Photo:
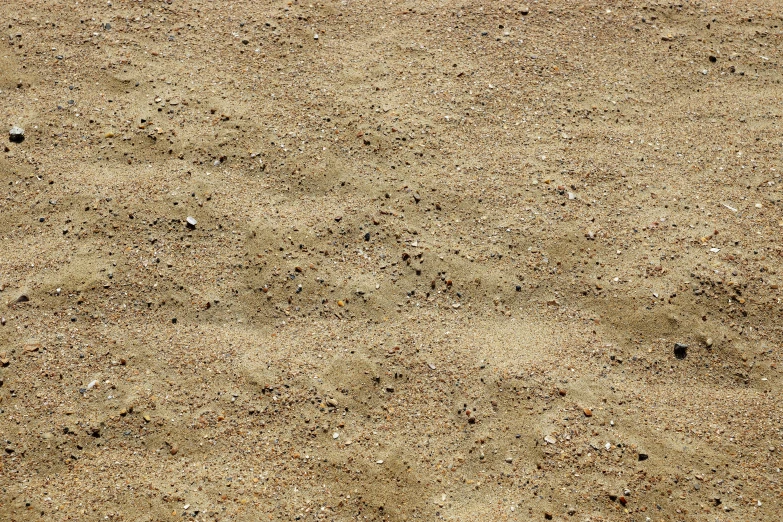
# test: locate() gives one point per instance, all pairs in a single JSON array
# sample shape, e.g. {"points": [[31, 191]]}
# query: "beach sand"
{"points": [[446, 260]]}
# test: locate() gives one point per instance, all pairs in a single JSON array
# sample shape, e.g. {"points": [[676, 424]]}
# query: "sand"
{"points": [[444, 261]]}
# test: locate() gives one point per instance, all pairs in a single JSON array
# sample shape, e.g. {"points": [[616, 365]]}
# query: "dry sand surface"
{"points": [[443, 261]]}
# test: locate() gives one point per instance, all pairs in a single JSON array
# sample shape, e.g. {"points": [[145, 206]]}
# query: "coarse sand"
{"points": [[404, 260]]}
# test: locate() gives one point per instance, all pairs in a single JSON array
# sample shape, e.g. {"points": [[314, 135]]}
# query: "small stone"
{"points": [[147, 418], [22, 299], [588, 412], [331, 403], [643, 456], [174, 450], [524, 10], [548, 515], [509, 459], [550, 439], [680, 350], [709, 342], [16, 134], [340, 303], [31, 347], [315, 37], [191, 222], [562, 392]]}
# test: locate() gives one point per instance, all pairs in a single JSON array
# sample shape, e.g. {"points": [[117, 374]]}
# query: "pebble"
{"points": [[16, 134], [709, 342], [680, 350], [588, 412], [550, 439], [174, 450], [191, 222]]}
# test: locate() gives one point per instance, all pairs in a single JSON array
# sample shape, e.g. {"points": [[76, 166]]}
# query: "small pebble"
{"points": [[16, 134], [191, 222], [680, 350]]}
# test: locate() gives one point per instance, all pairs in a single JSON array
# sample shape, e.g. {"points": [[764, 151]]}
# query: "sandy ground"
{"points": [[441, 257]]}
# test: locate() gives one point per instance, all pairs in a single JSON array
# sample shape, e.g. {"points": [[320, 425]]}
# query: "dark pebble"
{"points": [[680, 350]]}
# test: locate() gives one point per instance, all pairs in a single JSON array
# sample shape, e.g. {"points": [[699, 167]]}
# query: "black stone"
{"points": [[680, 350]]}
